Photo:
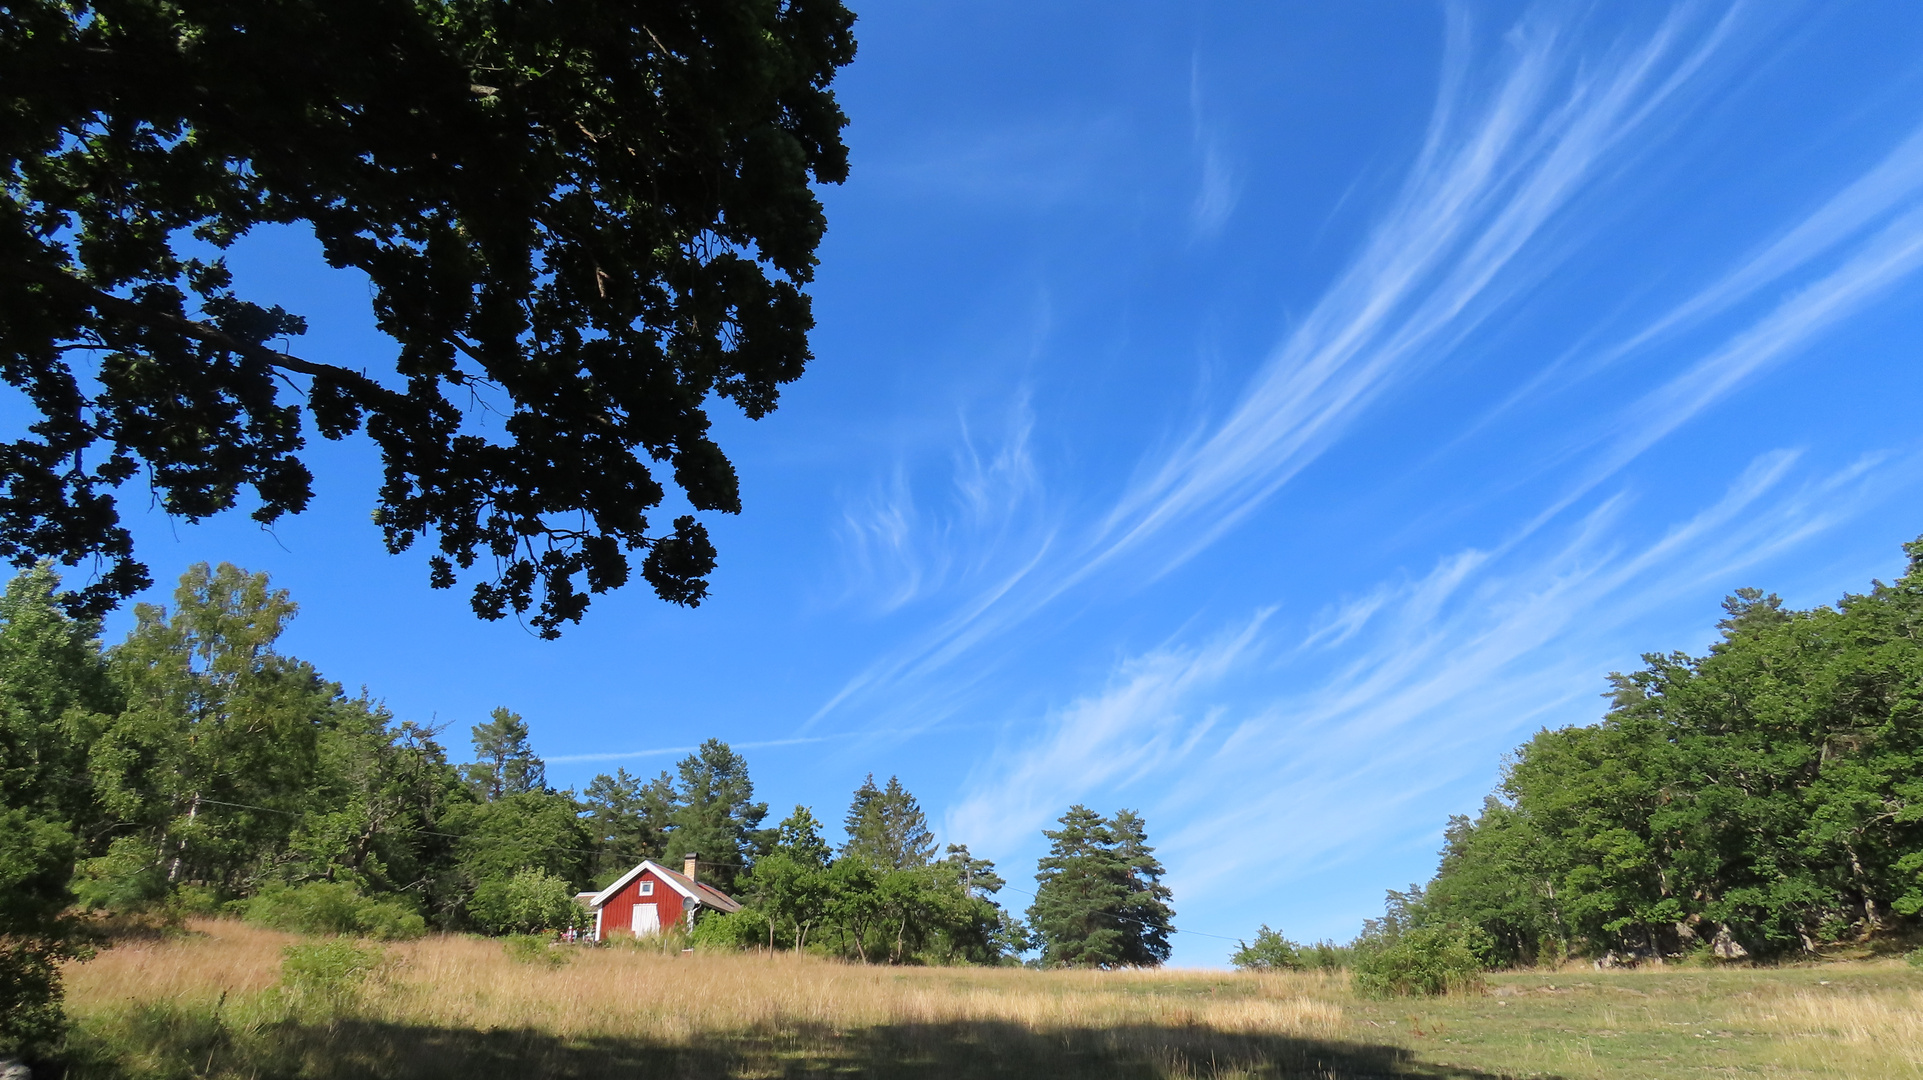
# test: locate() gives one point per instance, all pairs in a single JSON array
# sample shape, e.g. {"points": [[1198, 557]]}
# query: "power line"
{"points": [[472, 836], [1171, 929]]}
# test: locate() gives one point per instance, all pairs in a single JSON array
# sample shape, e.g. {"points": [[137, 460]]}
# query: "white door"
{"points": [[647, 920]]}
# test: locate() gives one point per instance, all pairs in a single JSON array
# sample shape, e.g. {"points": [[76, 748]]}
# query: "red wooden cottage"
{"points": [[651, 898]]}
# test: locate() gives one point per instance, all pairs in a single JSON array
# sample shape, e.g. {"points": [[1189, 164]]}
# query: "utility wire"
{"points": [[471, 836], [1139, 922]]}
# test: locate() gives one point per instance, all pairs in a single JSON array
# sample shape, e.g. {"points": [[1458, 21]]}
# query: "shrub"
{"points": [[126, 878], [389, 920], [1270, 952], [532, 901], [729, 930], [329, 975], [536, 949], [1914, 957], [324, 907], [1421, 960], [1327, 956]]}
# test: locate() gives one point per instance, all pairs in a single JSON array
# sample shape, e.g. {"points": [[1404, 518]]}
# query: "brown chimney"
{"points": [[687, 866]]}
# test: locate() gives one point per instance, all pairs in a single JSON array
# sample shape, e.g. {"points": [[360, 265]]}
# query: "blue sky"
{"points": [[1263, 416]]}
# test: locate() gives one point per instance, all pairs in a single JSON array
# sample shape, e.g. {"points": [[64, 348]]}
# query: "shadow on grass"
{"points": [[164, 1044]]}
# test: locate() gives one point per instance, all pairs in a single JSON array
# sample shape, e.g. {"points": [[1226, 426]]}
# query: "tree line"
{"points": [[194, 768], [1762, 800]]}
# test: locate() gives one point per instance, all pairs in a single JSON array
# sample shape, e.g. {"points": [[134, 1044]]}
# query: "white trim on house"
{"points": [[621, 882]]}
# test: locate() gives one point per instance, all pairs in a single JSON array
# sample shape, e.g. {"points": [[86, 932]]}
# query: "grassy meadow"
{"points": [[210, 1004]]}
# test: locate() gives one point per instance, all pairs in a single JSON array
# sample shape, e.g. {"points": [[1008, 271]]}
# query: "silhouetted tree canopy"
{"points": [[579, 221]]}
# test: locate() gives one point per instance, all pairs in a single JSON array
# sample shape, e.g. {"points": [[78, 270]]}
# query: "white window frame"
{"points": [[647, 888]]}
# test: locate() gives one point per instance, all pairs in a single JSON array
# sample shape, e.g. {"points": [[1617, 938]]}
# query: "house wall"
{"points": [[617, 915]]}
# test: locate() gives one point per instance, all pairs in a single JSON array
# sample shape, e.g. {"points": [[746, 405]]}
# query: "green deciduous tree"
{"points": [[586, 219], [53, 692], [788, 888], [1763, 798], [1270, 951], [531, 831], [532, 901], [218, 746]]}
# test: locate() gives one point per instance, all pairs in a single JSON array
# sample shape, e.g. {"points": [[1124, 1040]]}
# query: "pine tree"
{"points": [[1080, 887], [629, 818], [714, 816], [978, 876], [887, 827], [1146, 914], [799, 837], [1099, 901], [506, 764]]}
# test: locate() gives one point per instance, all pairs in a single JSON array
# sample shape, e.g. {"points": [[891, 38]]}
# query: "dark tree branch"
{"points": [[66, 286]]}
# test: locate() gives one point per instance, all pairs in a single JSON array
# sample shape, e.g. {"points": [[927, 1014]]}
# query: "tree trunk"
{"points": [[1870, 914], [193, 809]]}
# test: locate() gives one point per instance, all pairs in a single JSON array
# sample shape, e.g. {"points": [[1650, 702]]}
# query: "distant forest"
{"points": [[194, 769], [1763, 800]]}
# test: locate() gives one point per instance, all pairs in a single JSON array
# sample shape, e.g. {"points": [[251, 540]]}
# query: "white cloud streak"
{"points": [[1491, 175], [664, 751], [1499, 160], [1465, 658]]}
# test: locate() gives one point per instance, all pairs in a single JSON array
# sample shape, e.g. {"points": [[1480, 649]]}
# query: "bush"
{"points": [[531, 902], [717, 930], [1422, 960], [1327, 956], [536, 949], [126, 878], [328, 976], [1270, 952], [324, 907], [1914, 957]]}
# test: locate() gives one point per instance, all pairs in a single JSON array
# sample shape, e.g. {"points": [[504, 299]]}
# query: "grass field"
{"points": [[207, 1005]]}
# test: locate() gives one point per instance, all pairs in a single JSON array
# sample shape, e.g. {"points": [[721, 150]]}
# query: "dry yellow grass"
{"points": [[204, 1005], [456, 982]]}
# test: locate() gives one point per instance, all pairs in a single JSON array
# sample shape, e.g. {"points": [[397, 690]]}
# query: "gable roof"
{"points": [[697, 891]]}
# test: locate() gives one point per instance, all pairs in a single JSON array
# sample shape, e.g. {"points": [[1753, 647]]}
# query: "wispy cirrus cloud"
{"points": [[902, 544], [1469, 656], [1503, 154], [1496, 166], [1143, 722]]}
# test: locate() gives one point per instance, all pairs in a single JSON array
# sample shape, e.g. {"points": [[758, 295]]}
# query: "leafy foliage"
{"points": [[326, 907], [328, 976], [1766, 796], [52, 685], [800, 896], [581, 222], [1270, 951], [1421, 960], [531, 901]]}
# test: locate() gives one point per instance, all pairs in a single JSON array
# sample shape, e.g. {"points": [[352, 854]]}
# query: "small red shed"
{"points": [[651, 898]]}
